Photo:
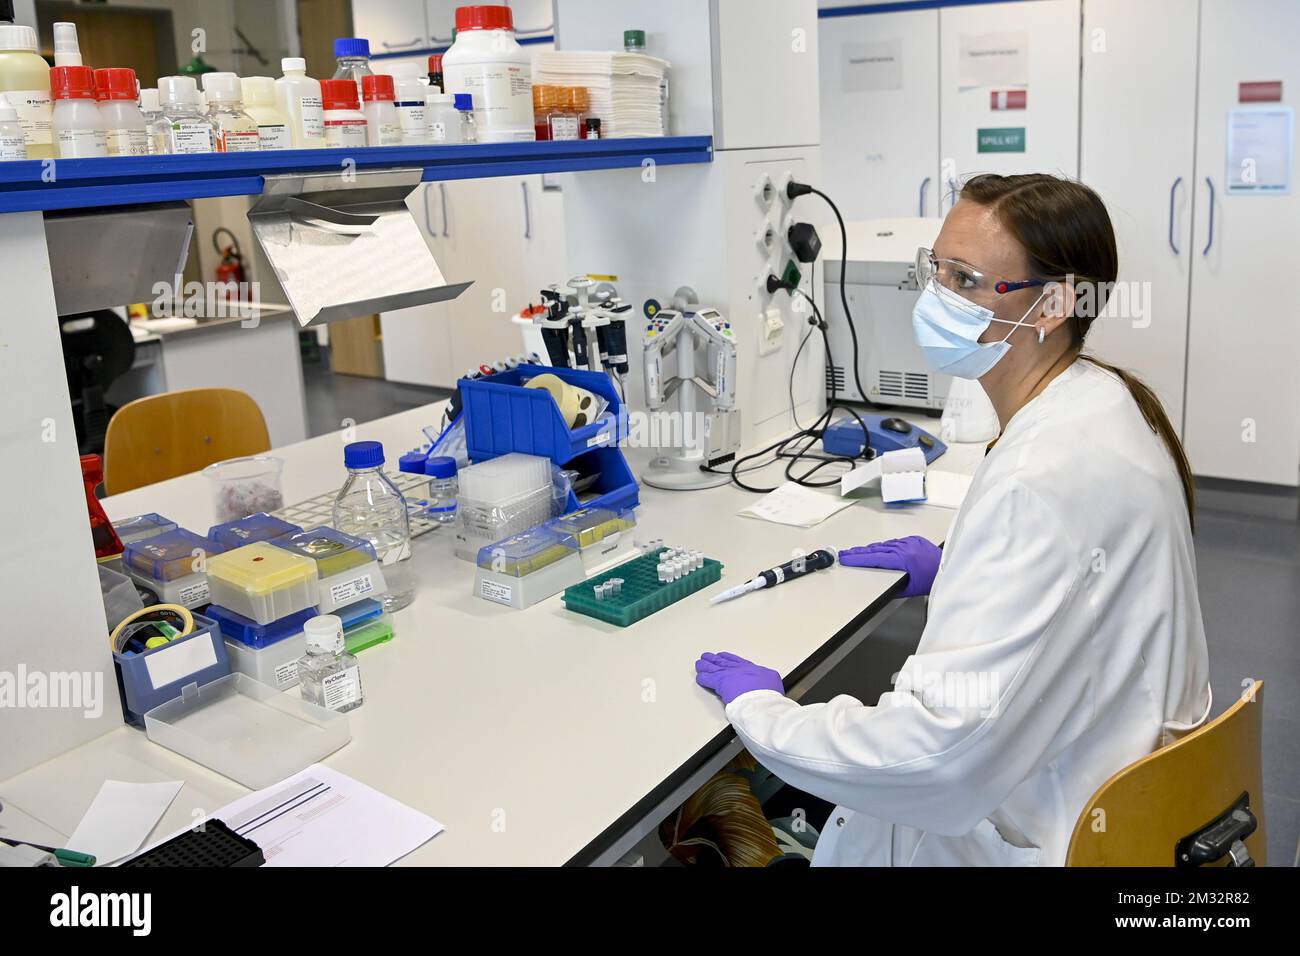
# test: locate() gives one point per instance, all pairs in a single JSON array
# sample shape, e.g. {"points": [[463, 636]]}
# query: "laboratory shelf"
{"points": [[42, 184]]}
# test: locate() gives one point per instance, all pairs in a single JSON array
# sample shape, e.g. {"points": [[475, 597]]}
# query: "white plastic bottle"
{"points": [[236, 130], [486, 62], [444, 118], [125, 130], [410, 96], [25, 82], [155, 124], [259, 103], [383, 128], [299, 98], [345, 124], [13, 144], [328, 676], [369, 506], [78, 125], [188, 130], [67, 51]]}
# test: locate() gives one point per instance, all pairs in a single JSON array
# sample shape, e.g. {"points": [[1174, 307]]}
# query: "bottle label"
{"points": [[412, 117], [564, 127], [348, 591], [438, 132], [190, 136], [274, 136], [127, 142], [348, 133], [390, 134], [13, 147], [313, 117], [343, 688], [193, 595], [237, 141], [286, 674], [81, 143], [35, 111], [503, 95]]}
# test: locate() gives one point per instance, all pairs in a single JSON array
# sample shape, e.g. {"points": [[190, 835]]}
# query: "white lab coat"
{"points": [[1067, 596]]}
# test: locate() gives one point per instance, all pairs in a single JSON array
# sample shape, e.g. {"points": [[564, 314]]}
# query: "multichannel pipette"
{"points": [[794, 568]]}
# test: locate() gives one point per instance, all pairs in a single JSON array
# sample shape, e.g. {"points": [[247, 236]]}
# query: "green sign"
{"points": [[1008, 139]]}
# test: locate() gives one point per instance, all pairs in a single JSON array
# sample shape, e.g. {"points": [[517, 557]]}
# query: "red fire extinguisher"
{"points": [[230, 271]]}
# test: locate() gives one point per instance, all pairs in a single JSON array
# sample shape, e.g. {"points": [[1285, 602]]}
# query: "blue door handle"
{"points": [[1172, 191], [1206, 251], [925, 184]]}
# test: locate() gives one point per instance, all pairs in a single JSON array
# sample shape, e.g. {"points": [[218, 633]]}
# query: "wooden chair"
{"points": [[162, 436], [1152, 811]]}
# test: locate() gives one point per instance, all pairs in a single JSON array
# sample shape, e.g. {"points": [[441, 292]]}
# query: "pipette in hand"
{"points": [[794, 568]]}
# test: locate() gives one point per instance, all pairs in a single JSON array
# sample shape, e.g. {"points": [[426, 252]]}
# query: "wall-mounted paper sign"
{"points": [[1261, 143], [994, 60], [871, 66], [1008, 139]]}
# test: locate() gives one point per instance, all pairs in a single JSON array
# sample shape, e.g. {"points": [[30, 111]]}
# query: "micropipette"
{"points": [[791, 569]]}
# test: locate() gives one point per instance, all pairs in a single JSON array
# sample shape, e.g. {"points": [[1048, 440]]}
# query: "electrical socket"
{"points": [[771, 331]]}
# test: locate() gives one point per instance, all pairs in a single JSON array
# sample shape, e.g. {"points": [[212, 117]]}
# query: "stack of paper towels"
{"points": [[623, 88]]}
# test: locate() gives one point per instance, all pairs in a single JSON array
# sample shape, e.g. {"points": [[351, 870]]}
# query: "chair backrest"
{"points": [[162, 436], [1137, 817]]}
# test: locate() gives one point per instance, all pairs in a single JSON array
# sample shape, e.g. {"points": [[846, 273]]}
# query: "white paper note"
{"points": [[120, 817], [793, 504], [994, 60], [1260, 143], [901, 474], [877, 65]]}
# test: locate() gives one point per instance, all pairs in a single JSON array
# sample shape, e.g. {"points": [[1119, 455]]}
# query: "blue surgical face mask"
{"points": [[948, 328]]}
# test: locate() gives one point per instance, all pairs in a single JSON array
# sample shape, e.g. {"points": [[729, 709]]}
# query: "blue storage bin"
{"points": [[146, 680], [502, 416], [615, 489]]}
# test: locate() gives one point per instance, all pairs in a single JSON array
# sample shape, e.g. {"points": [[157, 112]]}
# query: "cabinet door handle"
{"points": [[442, 191], [925, 184], [1210, 239], [1173, 190], [528, 217], [400, 46], [428, 211]]}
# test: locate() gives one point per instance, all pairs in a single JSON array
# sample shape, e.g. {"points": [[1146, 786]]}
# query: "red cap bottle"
{"points": [[378, 87], [72, 83], [339, 95], [115, 83], [485, 17]]}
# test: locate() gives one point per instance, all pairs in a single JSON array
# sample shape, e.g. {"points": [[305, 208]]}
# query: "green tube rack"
{"points": [[642, 593]]}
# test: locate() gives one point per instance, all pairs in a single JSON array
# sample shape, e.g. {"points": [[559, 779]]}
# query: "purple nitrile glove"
{"points": [[730, 676], [917, 556]]}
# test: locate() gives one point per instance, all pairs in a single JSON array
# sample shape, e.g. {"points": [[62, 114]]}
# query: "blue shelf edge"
{"points": [[40, 185]]}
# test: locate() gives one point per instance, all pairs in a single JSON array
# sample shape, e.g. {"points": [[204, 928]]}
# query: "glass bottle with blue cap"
{"points": [[369, 506]]}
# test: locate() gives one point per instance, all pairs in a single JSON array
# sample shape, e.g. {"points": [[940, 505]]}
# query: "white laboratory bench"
{"points": [[538, 737]]}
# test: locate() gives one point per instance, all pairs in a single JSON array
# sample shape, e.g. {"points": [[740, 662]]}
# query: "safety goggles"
{"points": [[964, 279]]}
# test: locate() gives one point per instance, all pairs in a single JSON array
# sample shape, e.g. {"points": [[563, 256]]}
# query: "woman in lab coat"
{"points": [[1064, 637]]}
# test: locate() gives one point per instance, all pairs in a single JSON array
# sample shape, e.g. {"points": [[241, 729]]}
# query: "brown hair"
{"points": [[1065, 230]]}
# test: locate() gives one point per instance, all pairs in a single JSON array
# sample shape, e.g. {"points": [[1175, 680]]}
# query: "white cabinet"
{"points": [[440, 15], [879, 81], [1243, 360], [1140, 160], [391, 26], [988, 50]]}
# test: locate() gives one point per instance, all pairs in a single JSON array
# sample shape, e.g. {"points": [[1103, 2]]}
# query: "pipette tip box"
{"points": [[170, 555], [263, 582], [347, 568], [528, 567], [641, 593], [139, 527], [258, 527]]}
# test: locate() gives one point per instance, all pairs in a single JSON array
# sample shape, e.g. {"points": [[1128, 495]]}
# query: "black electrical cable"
{"points": [[844, 298]]}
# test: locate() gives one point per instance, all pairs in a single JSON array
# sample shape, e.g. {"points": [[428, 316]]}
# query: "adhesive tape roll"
{"points": [[577, 405]]}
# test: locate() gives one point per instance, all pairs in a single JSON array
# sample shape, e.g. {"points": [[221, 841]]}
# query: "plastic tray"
{"points": [[275, 665], [247, 731], [642, 594], [359, 613], [333, 551], [142, 526], [170, 555], [367, 634], [263, 582], [212, 845], [236, 627], [121, 599], [258, 527]]}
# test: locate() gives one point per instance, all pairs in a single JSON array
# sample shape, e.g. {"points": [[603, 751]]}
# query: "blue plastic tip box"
{"points": [[359, 612], [142, 526], [159, 675], [258, 527], [236, 627], [170, 555]]}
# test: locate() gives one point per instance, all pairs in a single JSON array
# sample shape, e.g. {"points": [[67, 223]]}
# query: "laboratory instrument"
{"points": [[794, 568], [327, 674], [650, 582], [704, 437], [562, 325], [370, 507], [884, 433]]}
